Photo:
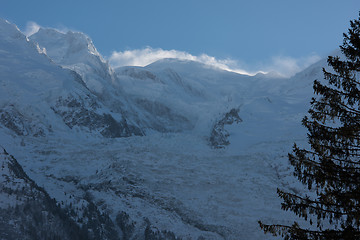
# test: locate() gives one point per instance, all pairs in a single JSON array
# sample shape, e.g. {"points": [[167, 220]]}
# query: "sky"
{"points": [[249, 36]]}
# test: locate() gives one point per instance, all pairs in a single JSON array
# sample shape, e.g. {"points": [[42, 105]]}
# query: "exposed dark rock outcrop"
{"points": [[76, 111], [162, 118], [219, 135], [20, 124]]}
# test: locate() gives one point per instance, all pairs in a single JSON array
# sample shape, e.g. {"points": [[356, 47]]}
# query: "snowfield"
{"points": [[174, 180], [60, 107]]}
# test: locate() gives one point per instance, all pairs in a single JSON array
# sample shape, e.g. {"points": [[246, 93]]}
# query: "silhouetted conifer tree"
{"points": [[331, 167]]}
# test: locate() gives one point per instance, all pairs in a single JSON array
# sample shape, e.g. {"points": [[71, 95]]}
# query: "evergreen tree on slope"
{"points": [[332, 166]]}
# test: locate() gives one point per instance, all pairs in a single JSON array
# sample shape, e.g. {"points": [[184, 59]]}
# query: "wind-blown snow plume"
{"points": [[289, 66], [285, 66], [31, 28], [143, 57]]}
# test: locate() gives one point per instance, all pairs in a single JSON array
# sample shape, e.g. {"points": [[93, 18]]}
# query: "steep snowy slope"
{"points": [[38, 97], [28, 212], [28, 82], [76, 51]]}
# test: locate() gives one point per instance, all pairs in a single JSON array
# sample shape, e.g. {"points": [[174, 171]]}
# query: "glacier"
{"points": [[135, 143]]}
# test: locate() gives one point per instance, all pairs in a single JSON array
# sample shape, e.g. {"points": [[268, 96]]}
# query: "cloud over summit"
{"points": [[148, 55], [285, 66], [289, 66]]}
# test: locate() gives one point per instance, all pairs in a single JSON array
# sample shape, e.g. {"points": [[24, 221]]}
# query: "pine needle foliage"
{"points": [[331, 167]]}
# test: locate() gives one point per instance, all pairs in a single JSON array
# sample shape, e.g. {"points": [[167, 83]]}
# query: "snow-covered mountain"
{"points": [[173, 150], [39, 97], [76, 51]]}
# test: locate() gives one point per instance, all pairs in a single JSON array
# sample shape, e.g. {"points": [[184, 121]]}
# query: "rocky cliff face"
{"points": [[87, 114]]}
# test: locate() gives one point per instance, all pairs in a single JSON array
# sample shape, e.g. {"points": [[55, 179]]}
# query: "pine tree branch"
{"points": [[316, 114], [327, 104], [338, 92], [333, 158], [306, 203]]}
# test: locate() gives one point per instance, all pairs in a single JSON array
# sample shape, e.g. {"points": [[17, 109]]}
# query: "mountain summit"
{"points": [[76, 51]]}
